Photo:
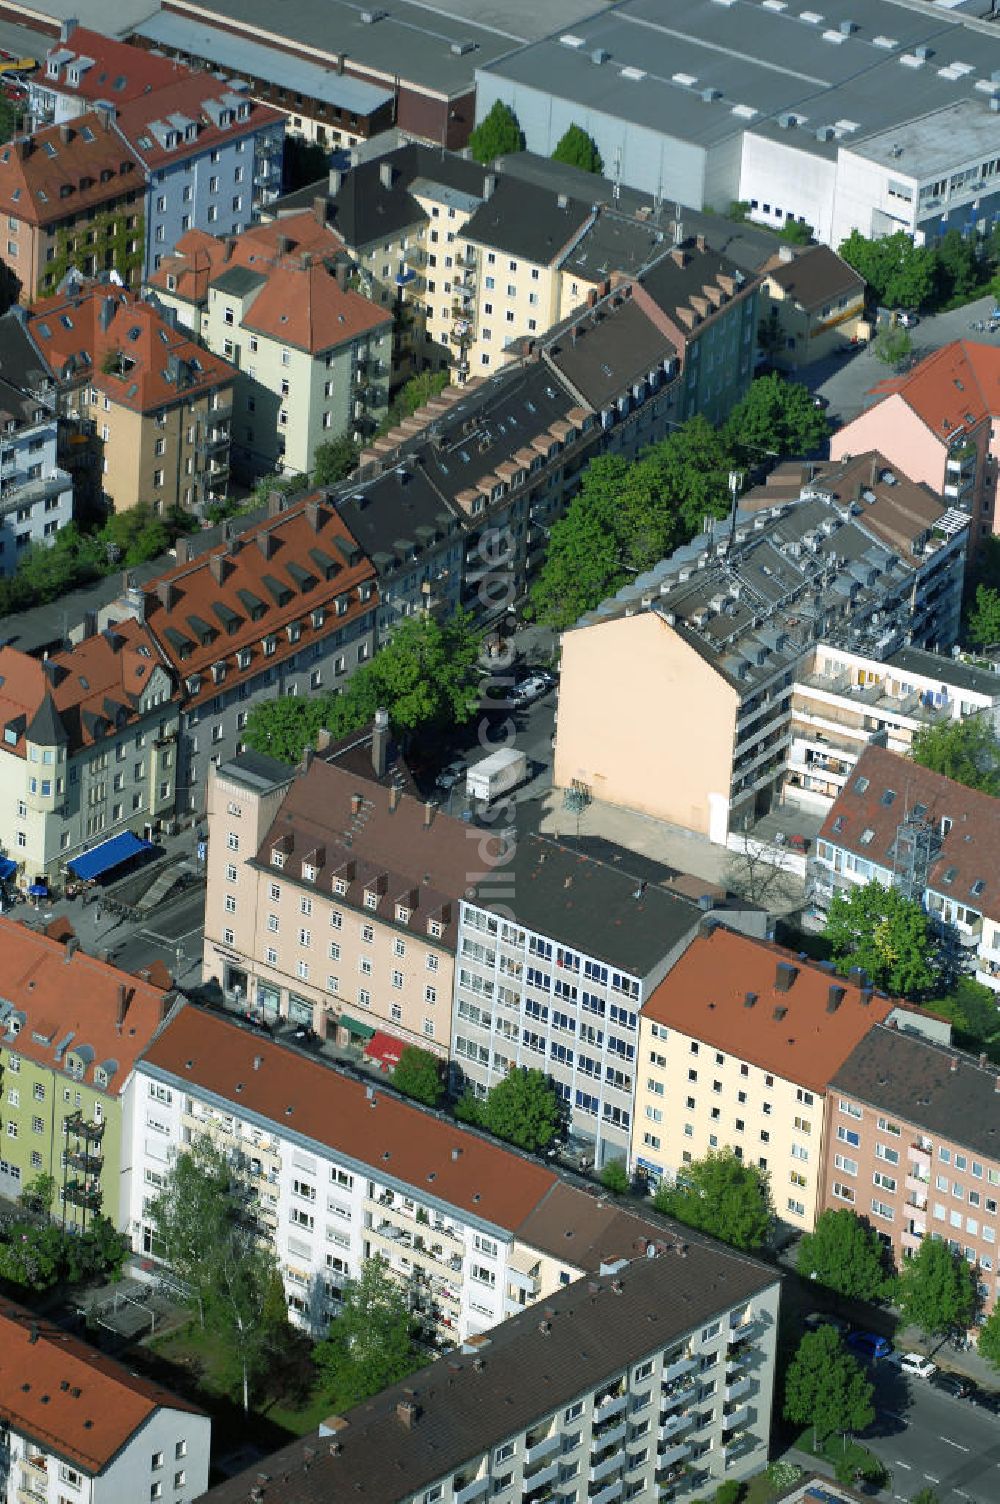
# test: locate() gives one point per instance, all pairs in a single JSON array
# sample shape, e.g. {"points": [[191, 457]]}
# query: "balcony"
{"points": [[920, 1158], [522, 1281], [739, 1447], [737, 1390], [83, 1127], [680, 1391], [474, 1490], [679, 1452], [919, 1185], [679, 1369], [911, 1240], [737, 1419], [86, 1196], [543, 1448], [610, 1435], [607, 1493], [613, 1405], [675, 1425], [543, 1476], [30, 1492], [80, 1160], [750, 1330]]}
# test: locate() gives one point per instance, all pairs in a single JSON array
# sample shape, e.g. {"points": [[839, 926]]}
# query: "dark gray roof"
{"points": [[239, 280], [523, 1369], [604, 910], [608, 350], [672, 286], [948, 670], [46, 729], [257, 771], [20, 362], [940, 1090], [49, 626], [522, 219], [816, 276]]}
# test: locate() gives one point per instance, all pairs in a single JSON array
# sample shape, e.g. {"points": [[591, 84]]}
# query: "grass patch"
{"points": [[846, 1456]]}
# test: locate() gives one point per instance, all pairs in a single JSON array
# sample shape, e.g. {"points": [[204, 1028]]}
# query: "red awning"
{"points": [[385, 1050]]}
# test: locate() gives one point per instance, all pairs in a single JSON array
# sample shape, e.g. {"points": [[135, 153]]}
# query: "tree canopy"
{"points": [[984, 617], [425, 677], [577, 149], [899, 274], [937, 1290], [825, 1387], [885, 933], [334, 461], [776, 415], [370, 1343], [496, 135], [523, 1108], [892, 346], [988, 1339], [972, 1008], [723, 1196], [965, 750], [845, 1254], [418, 1075]]}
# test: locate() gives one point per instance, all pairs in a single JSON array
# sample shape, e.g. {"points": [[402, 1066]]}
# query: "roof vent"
{"points": [[779, 1013], [749, 999], [369, 17], [599, 56], [784, 975], [847, 28]]}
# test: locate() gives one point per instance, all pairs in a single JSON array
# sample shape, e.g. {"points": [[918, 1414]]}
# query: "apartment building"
{"points": [[906, 827], [83, 68], [80, 1426], [737, 1046], [72, 1029], [911, 1147], [811, 303], [159, 404], [937, 424], [333, 900], [312, 354], [842, 701], [36, 493], [285, 606], [89, 747], [73, 196], [342, 1171], [727, 621], [557, 954], [586, 1403]]}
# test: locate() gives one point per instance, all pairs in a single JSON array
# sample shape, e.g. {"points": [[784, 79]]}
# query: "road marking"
{"points": [[956, 1444], [931, 1479], [961, 1493], [906, 1465]]}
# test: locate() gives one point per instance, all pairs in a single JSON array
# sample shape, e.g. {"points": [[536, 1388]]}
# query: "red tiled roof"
{"points": [[186, 97], [64, 992], [67, 1397], [120, 71], [954, 388], [79, 332], [884, 788], [310, 1098], [791, 1033], [203, 612], [199, 257], [91, 688], [65, 169]]}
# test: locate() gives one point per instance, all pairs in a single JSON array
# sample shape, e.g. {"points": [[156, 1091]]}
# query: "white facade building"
{"points": [[36, 495]]}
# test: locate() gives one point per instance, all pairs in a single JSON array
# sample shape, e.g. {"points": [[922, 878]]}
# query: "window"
{"points": [[156, 1461], [848, 1136]]}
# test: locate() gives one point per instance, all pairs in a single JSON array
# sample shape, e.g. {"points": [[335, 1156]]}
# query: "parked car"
{"points": [[914, 1364], [907, 319], [532, 689], [816, 1319], [870, 1345], [951, 1383], [984, 1399], [450, 775]]}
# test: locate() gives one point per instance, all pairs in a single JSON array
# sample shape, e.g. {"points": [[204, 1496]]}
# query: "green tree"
{"points": [[730, 1492], [413, 394], [39, 1193], [988, 1338], [615, 1177], [245, 1300], [984, 618], [825, 1387], [304, 162], [497, 135], [795, 232], [956, 269], [899, 274], [418, 1075], [190, 1217], [370, 1343], [779, 416], [965, 750], [32, 1256], [739, 210], [334, 461], [937, 1290], [972, 1008], [523, 1109], [722, 1196], [577, 149], [887, 935], [9, 116], [844, 1253], [926, 1496], [583, 560], [891, 346], [771, 338]]}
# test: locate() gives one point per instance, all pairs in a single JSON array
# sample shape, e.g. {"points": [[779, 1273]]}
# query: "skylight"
{"points": [[860, 785]]}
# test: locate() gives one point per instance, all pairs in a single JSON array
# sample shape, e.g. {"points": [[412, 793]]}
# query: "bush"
{"points": [[615, 1177]]}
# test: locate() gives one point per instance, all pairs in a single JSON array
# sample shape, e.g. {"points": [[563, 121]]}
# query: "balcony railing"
{"points": [[542, 1448]]}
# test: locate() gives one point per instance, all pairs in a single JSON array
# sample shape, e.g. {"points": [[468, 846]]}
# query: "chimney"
{"points": [[341, 271], [65, 133], [89, 624], [562, 200], [336, 181], [67, 28], [217, 566], [265, 542], [749, 998], [834, 998], [258, 1061], [276, 503], [779, 1013], [699, 241], [679, 255], [182, 551], [784, 975], [428, 815], [312, 515], [386, 174], [323, 739], [393, 799], [33, 1333], [285, 245], [166, 594], [785, 254], [356, 803], [489, 185], [319, 209], [121, 1007], [307, 757], [408, 1413], [866, 996], [954, 1065], [380, 742], [72, 946]]}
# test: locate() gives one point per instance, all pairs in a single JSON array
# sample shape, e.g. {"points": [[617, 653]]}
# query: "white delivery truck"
{"points": [[496, 774]]}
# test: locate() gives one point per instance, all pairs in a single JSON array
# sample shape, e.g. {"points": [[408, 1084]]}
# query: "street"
{"points": [[930, 1440]]}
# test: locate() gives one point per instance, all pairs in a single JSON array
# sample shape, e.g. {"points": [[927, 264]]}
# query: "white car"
{"points": [[529, 689], [914, 1364]]}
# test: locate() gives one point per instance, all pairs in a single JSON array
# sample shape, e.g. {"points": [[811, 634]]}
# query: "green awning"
{"points": [[351, 1024]]}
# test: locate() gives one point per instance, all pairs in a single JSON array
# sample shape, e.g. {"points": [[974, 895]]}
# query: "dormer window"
{"points": [[435, 928], [294, 630], [402, 913], [243, 658], [308, 872], [339, 885], [270, 646], [218, 672], [341, 605], [277, 858], [371, 899], [318, 616], [365, 591], [100, 1076]]}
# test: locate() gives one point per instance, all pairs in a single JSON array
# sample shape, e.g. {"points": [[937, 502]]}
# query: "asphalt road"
{"points": [[929, 1440]]}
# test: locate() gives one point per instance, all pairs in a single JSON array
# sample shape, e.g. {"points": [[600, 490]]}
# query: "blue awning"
{"points": [[7, 867], [109, 854]]}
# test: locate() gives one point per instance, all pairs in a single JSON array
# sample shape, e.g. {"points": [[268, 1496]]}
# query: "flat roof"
{"points": [[946, 670], [706, 70], [421, 47], [239, 55]]}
